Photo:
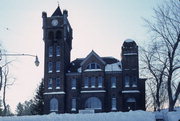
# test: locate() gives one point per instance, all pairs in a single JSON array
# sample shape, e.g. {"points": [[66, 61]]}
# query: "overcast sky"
{"points": [[99, 25]]}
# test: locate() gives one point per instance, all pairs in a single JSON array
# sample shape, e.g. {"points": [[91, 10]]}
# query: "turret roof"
{"points": [[57, 12]]}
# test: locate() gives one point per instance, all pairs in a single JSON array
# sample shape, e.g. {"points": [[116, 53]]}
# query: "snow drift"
{"points": [[112, 116]]}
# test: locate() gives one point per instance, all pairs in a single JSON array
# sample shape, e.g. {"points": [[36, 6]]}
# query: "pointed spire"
{"points": [[57, 12]]}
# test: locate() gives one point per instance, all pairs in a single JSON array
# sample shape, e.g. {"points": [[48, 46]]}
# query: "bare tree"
{"points": [[6, 81], [162, 58]]}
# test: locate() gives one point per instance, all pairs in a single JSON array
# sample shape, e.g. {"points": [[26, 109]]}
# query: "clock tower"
{"points": [[57, 36]]}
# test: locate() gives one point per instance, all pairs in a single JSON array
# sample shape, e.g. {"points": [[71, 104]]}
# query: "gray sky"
{"points": [[99, 25]]}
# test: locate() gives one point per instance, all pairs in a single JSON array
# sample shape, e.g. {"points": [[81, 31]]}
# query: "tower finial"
{"points": [[58, 3]]}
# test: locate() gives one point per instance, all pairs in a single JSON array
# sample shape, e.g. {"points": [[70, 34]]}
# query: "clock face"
{"points": [[54, 22]]}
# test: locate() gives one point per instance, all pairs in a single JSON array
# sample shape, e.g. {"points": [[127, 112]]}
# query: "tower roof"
{"points": [[57, 12]]}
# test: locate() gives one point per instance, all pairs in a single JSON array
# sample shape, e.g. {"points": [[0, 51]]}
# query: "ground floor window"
{"points": [[131, 103], [93, 103], [53, 105], [73, 105], [113, 103]]}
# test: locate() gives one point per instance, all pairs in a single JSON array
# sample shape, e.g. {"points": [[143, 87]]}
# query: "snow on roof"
{"points": [[93, 70], [91, 91], [113, 67], [130, 54], [49, 93], [130, 91], [112, 116], [129, 40]]}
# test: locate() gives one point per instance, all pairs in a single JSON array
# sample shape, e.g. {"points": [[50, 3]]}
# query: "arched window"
{"points": [[93, 103], [51, 35], [93, 66], [58, 35], [54, 104]]}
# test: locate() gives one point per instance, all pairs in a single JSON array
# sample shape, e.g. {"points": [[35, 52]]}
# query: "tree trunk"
{"points": [[4, 95]]}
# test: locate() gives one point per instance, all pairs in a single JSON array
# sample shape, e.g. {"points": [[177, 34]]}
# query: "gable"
{"points": [[91, 55]]}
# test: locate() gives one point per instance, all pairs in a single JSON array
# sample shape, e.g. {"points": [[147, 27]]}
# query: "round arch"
{"points": [[93, 103], [53, 104]]}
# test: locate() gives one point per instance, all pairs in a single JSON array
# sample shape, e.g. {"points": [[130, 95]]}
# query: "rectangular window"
{"points": [[100, 80], [50, 67], [50, 83], [50, 51], [93, 82], [73, 83], [86, 82], [134, 82], [57, 50], [113, 82], [58, 64], [113, 101], [57, 83], [127, 83], [73, 105]]}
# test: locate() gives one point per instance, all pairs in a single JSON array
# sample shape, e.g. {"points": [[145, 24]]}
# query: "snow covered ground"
{"points": [[112, 116], [168, 116]]}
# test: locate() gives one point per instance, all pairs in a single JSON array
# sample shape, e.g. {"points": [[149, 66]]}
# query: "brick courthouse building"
{"points": [[93, 83]]}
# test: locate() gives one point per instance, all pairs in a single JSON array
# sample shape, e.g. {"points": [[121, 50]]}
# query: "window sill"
{"points": [[49, 87], [57, 87], [73, 88], [113, 109], [73, 109]]}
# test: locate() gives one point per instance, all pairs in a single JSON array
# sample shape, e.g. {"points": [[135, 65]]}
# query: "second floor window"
{"points": [[50, 67], [113, 82], [134, 83], [93, 82], [58, 50], [100, 80], [50, 83], [58, 64], [86, 82], [127, 81], [57, 83], [50, 53], [73, 83]]}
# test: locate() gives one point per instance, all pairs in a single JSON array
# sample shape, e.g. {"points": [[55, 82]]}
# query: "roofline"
{"points": [[96, 55]]}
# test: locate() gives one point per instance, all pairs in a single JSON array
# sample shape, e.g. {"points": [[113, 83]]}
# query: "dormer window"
{"points": [[93, 66]]}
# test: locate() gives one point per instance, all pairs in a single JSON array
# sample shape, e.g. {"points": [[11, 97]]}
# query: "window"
{"points": [[100, 79], [131, 103], [113, 82], [93, 103], [58, 66], [54, 105], [51, 35], [134, 83], [86, 82], [50, 67], [50, 83], [93, 66], [127, 83], [93, 82], [50, 51], [73, 105], [57, 83], [58, 35], [57, 50], [73, 83], [113, 101]]}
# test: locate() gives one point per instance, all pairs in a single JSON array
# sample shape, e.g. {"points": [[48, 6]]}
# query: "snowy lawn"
{"points": [[112, 116]]}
